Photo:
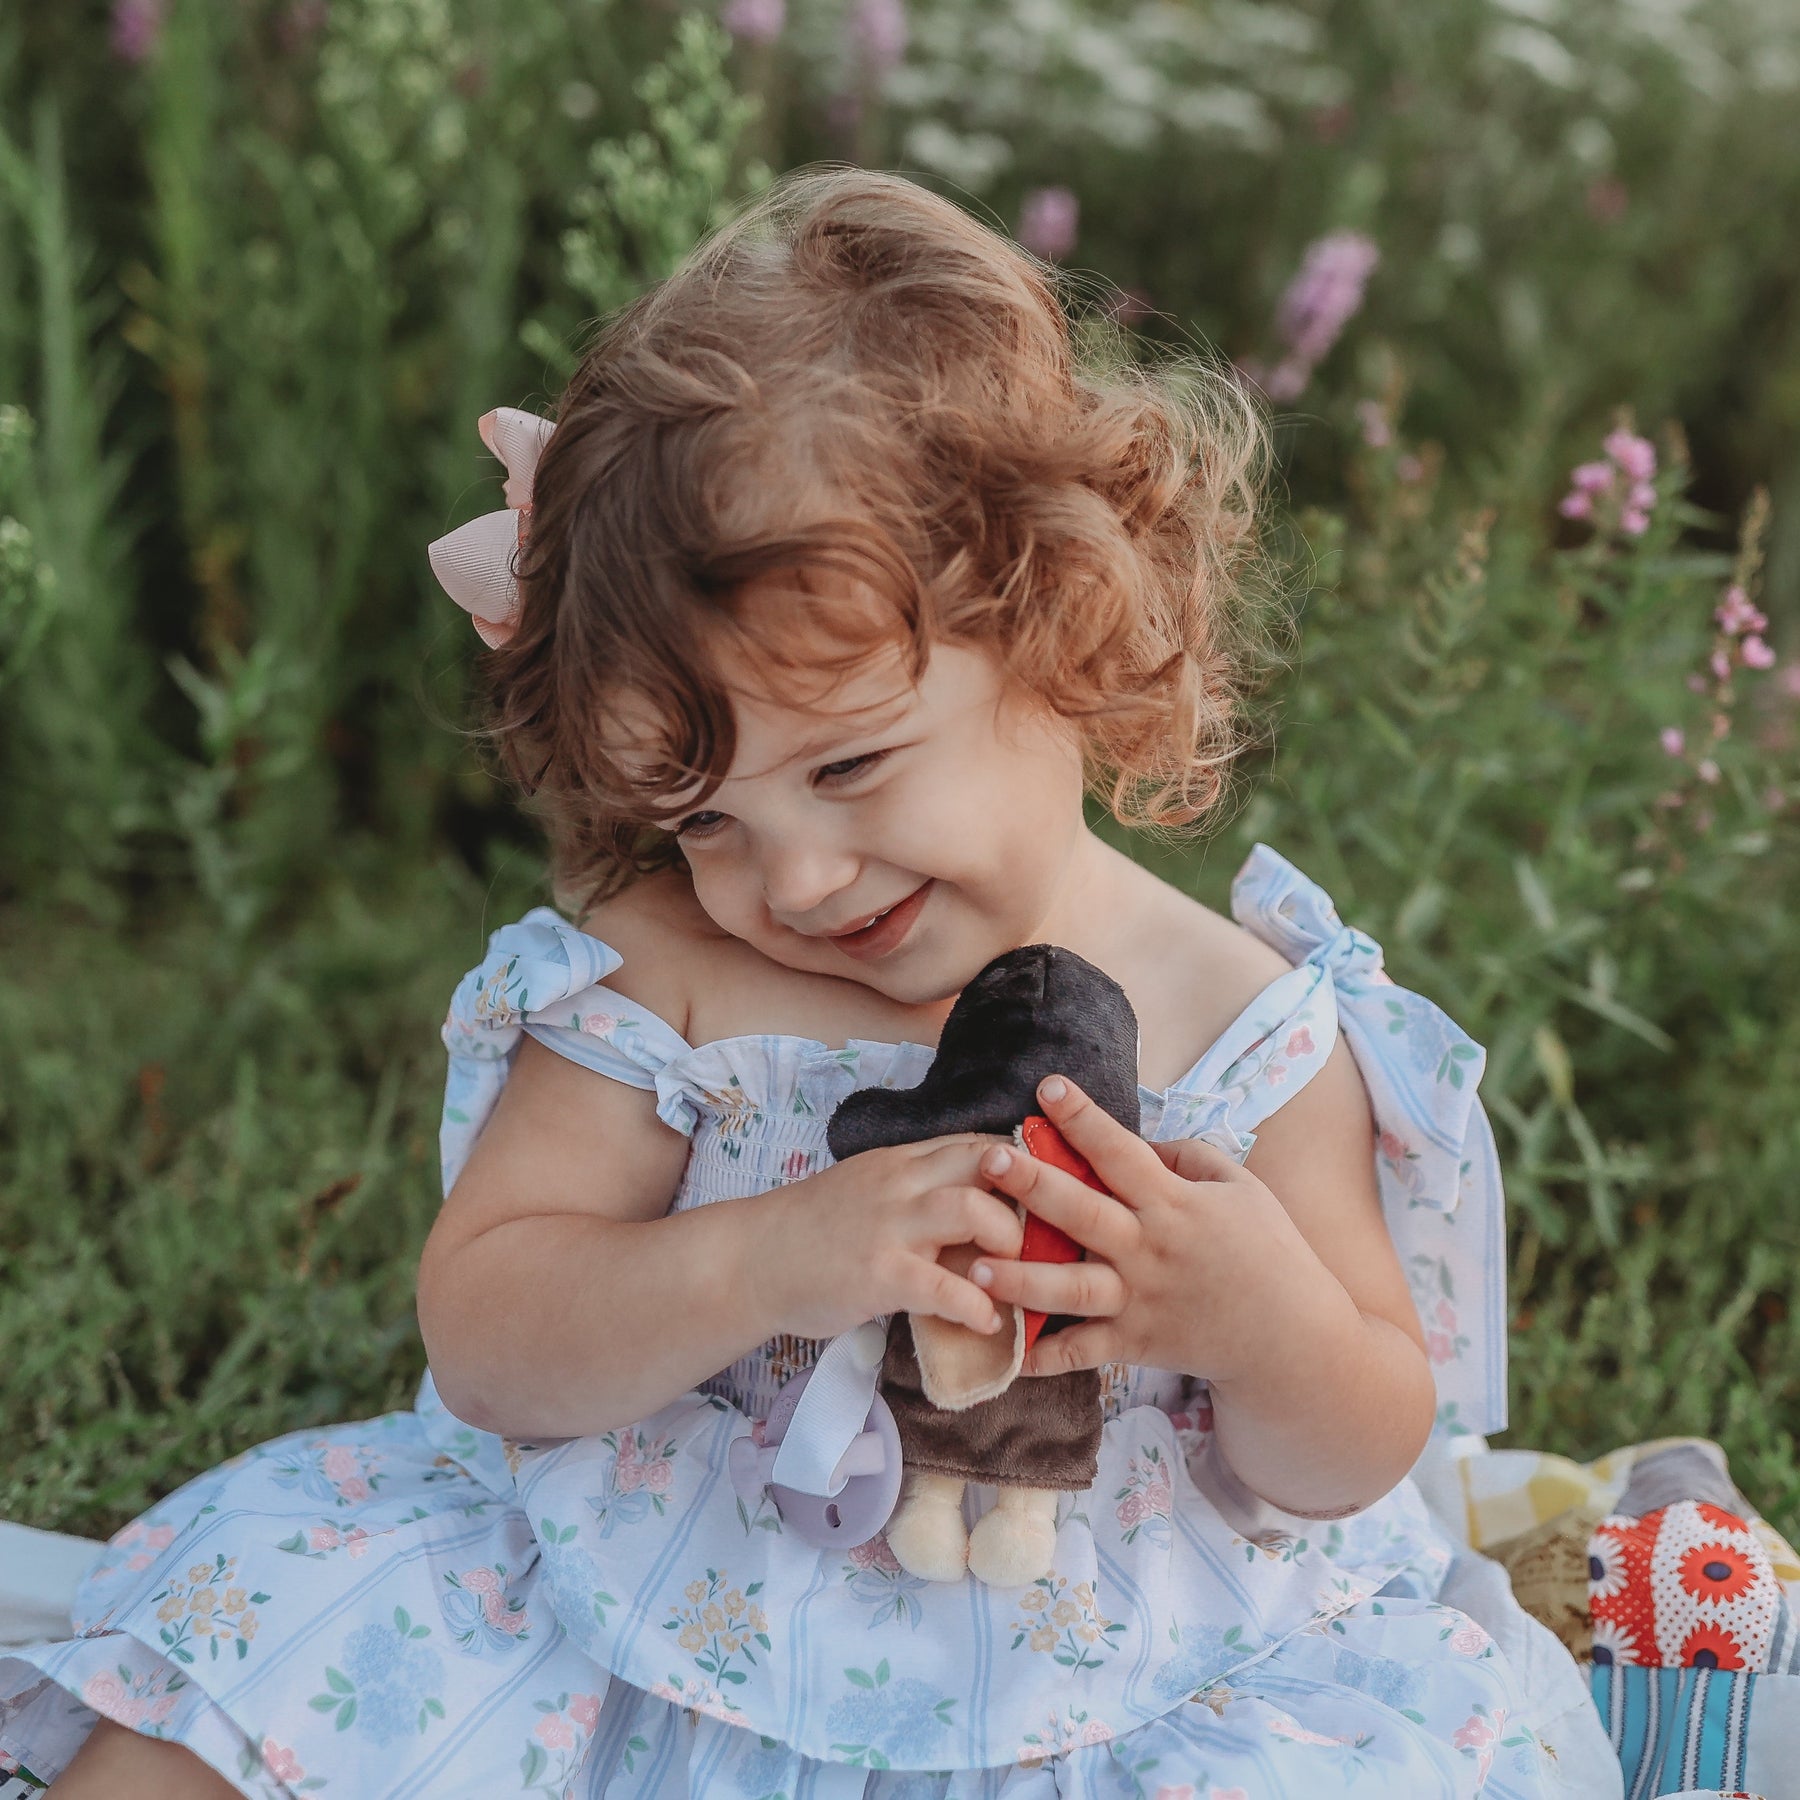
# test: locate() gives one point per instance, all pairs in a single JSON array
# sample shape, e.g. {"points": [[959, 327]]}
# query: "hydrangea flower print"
{"points": [[1206, 1653], [761, 1769], [1383, 1678], [385, 1682], [881, 1721], [577, 1594]]}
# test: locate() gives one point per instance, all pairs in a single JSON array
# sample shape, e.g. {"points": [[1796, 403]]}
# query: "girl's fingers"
{"points": [[1193, 1159], [1094, 1220], [970, 1215], [948, 1296], [1119, 1157], [1078, 1347], [1090, 1289]]}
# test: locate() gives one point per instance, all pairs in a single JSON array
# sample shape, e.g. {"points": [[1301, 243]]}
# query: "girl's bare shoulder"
{"points": [[1190, 972]]}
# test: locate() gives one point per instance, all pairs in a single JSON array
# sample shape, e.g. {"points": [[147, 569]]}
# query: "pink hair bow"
{"points": [[475, 563]]}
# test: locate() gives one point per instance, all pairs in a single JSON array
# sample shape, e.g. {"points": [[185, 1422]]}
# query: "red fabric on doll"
{"points": [[1045, 1242]]}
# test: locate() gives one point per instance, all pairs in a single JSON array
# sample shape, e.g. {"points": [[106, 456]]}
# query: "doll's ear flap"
{"points": [[958, 1367]]}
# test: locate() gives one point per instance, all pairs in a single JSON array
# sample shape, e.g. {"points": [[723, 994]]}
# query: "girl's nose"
{"points": [[797, 878]]}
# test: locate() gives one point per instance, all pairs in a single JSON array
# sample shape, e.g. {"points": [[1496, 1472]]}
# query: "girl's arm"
{"points": [[558, 1296], [1277, 1282]]}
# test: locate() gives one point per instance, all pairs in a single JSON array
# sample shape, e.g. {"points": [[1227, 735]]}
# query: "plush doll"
{"points": [[961, 1411]]}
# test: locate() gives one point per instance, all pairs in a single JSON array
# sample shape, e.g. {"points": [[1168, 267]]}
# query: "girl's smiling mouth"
{"points": [[885, 931]]}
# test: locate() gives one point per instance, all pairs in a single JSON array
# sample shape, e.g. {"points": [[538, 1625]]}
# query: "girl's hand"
{"points": [[1191, 1267], [863, 1238]]}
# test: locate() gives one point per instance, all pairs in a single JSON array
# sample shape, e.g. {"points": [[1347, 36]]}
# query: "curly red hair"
{"points": [[855, 376]]}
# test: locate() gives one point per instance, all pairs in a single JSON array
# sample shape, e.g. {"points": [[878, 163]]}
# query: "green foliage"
{"points": [[247, 322]]}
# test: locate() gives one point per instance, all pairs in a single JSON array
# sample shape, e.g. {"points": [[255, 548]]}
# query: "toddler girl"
{"points": [[839, 580]]}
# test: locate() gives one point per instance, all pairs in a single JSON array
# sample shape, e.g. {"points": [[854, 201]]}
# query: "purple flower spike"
{"points": [[754, 21], [1325, 295], [1049, 218], [136, 27], [879, 32]]}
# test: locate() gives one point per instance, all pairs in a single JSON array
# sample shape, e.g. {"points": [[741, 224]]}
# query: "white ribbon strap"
{"points": [[831, 1411]]}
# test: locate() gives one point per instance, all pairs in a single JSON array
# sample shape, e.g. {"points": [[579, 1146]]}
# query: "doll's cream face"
{"points": [[952, 807]]}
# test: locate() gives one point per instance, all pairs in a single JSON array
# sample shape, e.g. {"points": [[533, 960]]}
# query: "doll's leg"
{"points": [[1015, 1543], [926, 1533], [115, 1762]]}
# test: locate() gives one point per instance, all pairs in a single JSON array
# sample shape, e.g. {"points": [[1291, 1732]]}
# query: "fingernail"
{"points": [[995, 1324], [981, 1275], [1052, 1088], [997, 1162]]}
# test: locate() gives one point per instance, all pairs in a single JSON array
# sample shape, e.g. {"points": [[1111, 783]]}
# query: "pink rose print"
{"points": [[141, 1560], [629, 1475], [1275, 1074], [584, 1709], [353, 1490], [1446, 1315], [1300, 1042], [875, 1554], [1096, 1731], [496, 1612], [357, 1541], [1469, 1639], [281, 1762], [480, 1581], [598, 1024], [555, 1732], [1184, 1792], [1439, 1346], [1296, 1733], [161, 1710], [340, 1463], [323, 1537], [1134, 1509], [105, 1693], [1393, 1147], [1476, 1733], [659, 1475], [1229, 1794]]}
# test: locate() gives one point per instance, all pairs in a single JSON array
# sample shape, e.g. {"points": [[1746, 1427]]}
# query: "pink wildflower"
{"points": [[1576, 506], [1634, 522], [1642, 496], [1720, 664], [1049, 218], [879, 32], [754, 21], [1707, 770], [1635, 455], [1757, 654], [1736, 615], [1674, 740], [137, 26], [1592, 477]]}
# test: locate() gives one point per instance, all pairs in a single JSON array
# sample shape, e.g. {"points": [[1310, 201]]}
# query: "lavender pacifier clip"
{"points": [[829, 1451]]}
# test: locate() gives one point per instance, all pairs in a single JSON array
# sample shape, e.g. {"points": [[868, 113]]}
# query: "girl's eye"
{"points": [[851, 766], [700, 825]]}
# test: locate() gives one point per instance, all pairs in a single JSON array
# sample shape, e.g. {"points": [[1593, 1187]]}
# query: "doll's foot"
{"points": [[926, 1533], [1015, 1543]]}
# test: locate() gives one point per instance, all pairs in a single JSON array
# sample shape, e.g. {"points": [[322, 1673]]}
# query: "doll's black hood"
{"points": [[1030, 1013]]}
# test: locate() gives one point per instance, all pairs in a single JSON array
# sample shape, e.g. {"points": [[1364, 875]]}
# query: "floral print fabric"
{"points": [[410, 1607]]}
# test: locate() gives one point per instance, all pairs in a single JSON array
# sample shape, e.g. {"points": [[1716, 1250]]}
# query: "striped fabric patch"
{"points": [[1675, 1728]]}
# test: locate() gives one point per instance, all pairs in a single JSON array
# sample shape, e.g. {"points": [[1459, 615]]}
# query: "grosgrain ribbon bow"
{"points": [[475, 563]]}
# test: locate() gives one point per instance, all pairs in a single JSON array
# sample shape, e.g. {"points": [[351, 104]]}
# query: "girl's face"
{"points": [[894, 835]]}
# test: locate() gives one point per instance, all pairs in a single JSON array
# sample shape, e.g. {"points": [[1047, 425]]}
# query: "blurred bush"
{"points": [[263, 264]]}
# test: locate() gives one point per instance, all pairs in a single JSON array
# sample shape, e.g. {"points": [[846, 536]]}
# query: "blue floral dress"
{"points": [[409, 1607]]}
